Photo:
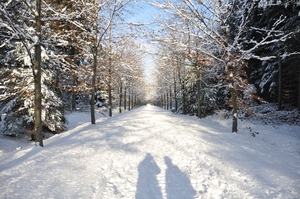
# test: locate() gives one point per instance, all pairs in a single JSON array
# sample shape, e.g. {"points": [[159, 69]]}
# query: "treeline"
{"points": [[65, 55], [227, 54]]}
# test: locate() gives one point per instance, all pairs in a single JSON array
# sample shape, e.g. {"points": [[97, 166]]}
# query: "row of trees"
{"points": [[218, 54], [56, 54]]}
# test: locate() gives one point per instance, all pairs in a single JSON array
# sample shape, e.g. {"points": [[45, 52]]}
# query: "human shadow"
{"points": [[147, 184], [178, 185]]}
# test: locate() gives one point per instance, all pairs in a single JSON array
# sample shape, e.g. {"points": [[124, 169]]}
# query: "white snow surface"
{"points": [[152, 153]]}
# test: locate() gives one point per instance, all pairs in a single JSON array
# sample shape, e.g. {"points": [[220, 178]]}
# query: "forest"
{"points": [[62, 56]]}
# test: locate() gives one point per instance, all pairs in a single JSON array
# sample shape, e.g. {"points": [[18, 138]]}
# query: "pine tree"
{"points": [[265, 74], [38, 105]]}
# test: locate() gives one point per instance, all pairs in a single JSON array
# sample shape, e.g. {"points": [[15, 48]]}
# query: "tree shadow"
{"points": [[147, 185], [178, 185]]}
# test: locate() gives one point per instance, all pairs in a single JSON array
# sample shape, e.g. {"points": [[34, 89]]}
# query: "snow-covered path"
{"points": [[150, 153]]}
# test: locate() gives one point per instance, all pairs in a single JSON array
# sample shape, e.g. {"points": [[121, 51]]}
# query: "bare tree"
{"points": [[103, 12]]}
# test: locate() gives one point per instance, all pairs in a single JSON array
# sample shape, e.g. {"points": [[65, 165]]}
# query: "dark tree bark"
{"points": [[198, 91], [165, 101], [279, 84], [184, 111], [37, 78], [171, 101], [73, 101], [120, 96], [168, 101], [95, 52], [109, 89], [175, 94], [234, 105], [129, 99], [125, 97], [299, 87]]}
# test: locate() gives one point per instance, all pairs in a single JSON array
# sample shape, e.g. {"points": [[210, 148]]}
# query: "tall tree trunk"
{"points": [[125, 97], [129, 98], [73, 101], [165, 101], [168, 102], [94, 49], [37, 78], [109, 91], [74, 94], [175, 94], [234, 105], [184, 111], [171, 101], [120, 96], [198, 73], [234, 111], [279, 84], [299, 87]]}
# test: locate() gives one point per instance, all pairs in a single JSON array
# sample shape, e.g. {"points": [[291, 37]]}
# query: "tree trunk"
{"points": [[175, 94], [234, 107], [198, 91], [299, 88], [125, 96], [73, 108], [168, 101], [73, 101], [120, 96], [129, 99], [279, 84], [171, 102], [94, 84], [37, 79], [132, 98], [109, 91], [184, 111], [234, 112], [165, 101]]}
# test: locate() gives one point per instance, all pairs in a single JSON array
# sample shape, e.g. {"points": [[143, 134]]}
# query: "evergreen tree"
{"points": [[27, 85], [283, 17]]}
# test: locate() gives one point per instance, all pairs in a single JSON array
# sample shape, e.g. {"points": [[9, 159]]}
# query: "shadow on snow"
{"points": [[178, 185]]}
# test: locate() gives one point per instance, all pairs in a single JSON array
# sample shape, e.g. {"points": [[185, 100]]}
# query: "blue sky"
{"points": [[142, 13], [145, 14]]}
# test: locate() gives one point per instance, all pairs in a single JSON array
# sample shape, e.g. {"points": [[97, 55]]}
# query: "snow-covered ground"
{"points": [[152, 153]]}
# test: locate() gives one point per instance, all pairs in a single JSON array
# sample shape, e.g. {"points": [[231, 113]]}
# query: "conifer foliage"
{"points": [[22, 43]]}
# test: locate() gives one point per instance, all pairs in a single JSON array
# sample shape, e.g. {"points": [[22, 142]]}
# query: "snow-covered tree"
{"points": [[26, 58], [275, 58], [101, 18], [211, 20]]}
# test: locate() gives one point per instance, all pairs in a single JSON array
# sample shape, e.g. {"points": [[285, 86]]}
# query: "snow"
{"points": [[152, 153]]}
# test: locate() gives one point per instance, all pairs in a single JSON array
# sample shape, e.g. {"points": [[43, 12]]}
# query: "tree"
{"points": [[103, 12], [35, 62], [20, 57], [210, 20], [265, 74], [37, 76]]}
